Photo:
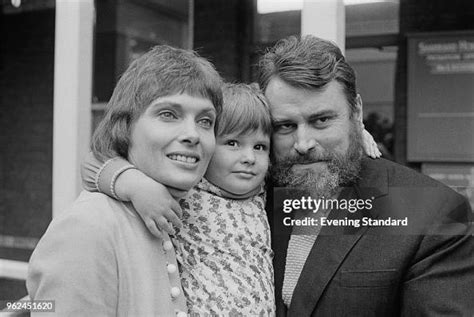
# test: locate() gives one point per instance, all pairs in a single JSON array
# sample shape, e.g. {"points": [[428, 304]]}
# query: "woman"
{"points": [[97, 258]]}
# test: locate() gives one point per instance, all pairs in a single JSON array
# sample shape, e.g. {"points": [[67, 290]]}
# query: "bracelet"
{"points": [[101, 169], [115, 176]]}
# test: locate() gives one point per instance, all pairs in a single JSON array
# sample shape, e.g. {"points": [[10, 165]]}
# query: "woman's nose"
{"points": [[190, 133]]}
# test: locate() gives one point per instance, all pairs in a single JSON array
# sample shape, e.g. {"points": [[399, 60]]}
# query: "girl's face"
{"points": [[173, 140], [240, 162]]}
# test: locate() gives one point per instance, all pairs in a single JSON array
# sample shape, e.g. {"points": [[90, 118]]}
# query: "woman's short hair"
{"points": [[160, 72], [245, 109], [308, 62]]}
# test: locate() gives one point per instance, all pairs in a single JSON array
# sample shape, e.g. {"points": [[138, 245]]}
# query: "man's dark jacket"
{"points": [[424, 269]]}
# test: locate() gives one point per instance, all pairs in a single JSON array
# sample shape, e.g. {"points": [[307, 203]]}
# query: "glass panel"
{"points": [[125, 29], [372, 29], [274, 20], [26, 130]]}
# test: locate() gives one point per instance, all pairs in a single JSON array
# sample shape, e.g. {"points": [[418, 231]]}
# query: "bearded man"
{"points": [[425, 268]]}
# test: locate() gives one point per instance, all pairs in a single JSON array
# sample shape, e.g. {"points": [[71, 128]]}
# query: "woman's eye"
{"points": [[167, 115], [206, 123]]}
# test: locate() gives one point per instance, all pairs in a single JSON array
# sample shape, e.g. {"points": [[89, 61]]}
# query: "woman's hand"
{"points": [[152, 200], [370, 146]]}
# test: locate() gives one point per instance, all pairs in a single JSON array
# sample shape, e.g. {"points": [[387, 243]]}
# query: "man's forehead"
{"points": [[287, 100]]}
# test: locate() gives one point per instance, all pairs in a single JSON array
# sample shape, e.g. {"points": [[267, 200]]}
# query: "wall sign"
{"points": [[441, 97]]}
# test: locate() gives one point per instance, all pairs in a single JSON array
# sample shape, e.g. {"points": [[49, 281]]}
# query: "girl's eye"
{"points": [[232, 143], [167, 115], [206, 123], [260, 147]]}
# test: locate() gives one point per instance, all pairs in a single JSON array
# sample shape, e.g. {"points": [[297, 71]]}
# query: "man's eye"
{"points": [[168, 115], [232, 143], [322, 122], [284, 127], [206, 123]]}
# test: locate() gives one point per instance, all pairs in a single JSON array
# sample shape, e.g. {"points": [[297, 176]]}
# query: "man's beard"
{"points": [[342, 169]]}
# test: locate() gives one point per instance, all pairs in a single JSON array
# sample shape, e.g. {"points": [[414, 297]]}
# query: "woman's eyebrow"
{"points": [[209, 110], [162, 104], [180, 107]]}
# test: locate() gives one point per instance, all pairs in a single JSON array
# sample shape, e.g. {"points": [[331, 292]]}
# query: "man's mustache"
{"points": [[308, 158]]}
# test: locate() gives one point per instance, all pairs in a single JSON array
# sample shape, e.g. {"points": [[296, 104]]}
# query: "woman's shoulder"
{"points": [[91, 214]]}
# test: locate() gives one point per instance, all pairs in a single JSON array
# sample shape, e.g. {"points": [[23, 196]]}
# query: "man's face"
{"points": [[315, 140]]}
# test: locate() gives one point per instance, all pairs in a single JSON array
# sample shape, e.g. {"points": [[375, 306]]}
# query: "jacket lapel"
{"points": [[334, 243], [280, 238]]}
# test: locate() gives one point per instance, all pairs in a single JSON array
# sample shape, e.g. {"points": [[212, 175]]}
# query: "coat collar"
{"points": [[334, 243], [373, 180]]}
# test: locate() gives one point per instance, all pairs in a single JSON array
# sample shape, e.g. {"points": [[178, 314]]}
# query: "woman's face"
{"points": [[173, 140]]}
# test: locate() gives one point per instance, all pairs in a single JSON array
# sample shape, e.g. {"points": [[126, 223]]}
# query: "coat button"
{"points": [[167, 245], [175, 291], [171, 268]]}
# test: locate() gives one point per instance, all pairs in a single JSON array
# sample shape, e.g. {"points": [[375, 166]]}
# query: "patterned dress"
{"points": [[224, 254]]}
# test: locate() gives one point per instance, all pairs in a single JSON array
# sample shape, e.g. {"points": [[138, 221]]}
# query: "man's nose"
{"points": [[189, 134], [248, 156], [304, 142]]}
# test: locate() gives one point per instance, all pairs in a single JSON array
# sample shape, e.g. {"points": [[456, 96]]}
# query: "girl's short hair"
{"points": [[245, 109], [162, 71]]}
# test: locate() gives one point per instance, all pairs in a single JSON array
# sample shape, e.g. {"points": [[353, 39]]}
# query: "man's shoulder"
{"points": [[394, 175], [415, 193], [397, 174]]}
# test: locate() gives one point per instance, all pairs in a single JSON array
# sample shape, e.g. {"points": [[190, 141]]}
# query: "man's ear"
{"points": [[358, 114]]}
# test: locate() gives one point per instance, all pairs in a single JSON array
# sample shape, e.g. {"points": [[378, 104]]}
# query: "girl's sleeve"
{"points": [[98, 176]]}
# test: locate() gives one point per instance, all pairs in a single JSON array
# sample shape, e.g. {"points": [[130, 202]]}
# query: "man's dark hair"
{"points": [[309, 63]]}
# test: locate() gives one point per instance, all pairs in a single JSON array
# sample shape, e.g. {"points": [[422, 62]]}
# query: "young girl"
{"points": [[223, 247]]}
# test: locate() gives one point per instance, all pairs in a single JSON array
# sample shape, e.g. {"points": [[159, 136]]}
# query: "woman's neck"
{"points": [[177, 193]]}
